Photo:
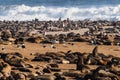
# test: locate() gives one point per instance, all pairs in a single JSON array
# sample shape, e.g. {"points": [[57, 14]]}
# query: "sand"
{"points": [[77, 47]]}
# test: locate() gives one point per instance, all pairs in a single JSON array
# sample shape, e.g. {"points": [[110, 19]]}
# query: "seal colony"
{"points": [[55, 52], [94, 32], [47, 66]]}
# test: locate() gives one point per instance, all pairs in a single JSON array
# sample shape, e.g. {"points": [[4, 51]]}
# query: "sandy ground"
{"points": [[78, 46]]}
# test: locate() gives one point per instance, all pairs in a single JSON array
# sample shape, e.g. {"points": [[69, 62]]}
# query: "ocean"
{"points": [[23, 10]]}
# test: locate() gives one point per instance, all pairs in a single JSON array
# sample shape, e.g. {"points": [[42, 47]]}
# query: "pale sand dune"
{"points": [[80, 31]]}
